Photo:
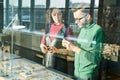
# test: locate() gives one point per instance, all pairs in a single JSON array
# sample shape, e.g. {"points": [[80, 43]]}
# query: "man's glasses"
{"points": [[78, 19]]}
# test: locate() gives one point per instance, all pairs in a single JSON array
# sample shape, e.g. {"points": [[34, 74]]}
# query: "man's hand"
{"points": [[67, 44], [70, 46]]}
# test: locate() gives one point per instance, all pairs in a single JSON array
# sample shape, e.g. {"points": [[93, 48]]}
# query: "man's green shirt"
{"points": [[90, 41]]}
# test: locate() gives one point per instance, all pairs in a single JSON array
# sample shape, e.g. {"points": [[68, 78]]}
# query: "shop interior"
{"points": [[22, 25]]}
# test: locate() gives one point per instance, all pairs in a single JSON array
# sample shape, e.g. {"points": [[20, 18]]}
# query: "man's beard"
{"points": [[84, 24]]}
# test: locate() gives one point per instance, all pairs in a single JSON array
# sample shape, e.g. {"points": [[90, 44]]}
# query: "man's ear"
{"points": [[88, 17]]}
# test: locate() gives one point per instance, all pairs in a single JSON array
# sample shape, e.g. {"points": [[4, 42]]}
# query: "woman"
{"points": [[54, 36]]}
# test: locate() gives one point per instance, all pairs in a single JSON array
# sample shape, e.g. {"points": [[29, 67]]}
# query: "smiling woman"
{"points": [[57, 16]]}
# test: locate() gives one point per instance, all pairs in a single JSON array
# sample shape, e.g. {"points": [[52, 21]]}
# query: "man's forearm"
{"points": [[63, 51], [74, 48]]}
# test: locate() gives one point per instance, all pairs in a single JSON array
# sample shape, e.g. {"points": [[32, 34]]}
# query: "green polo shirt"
{"points": [[87, 60]]}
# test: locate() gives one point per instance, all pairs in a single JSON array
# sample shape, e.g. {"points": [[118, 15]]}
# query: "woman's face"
{"points": [[57, 16]]}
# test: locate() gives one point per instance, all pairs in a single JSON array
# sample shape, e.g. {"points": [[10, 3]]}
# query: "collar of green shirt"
{"points": [[91, 24]]}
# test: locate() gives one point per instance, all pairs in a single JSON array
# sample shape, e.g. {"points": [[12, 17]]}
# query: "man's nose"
{"points": [[76, 21]]}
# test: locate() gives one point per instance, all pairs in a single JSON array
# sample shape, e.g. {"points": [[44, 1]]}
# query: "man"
{"points": [[88, 48]]}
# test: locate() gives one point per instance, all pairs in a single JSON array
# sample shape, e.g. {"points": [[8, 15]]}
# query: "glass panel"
{"points": [[40, 3], [13, 10], [95, 15], [39, 20], [13, 7], [57, 3], [97, 3], [73, 2], [4, 3], [5, 21], [25, 13]]}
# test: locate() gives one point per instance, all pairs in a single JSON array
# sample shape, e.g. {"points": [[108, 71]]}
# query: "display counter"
{"points": [[24, 69], [4, 37]]}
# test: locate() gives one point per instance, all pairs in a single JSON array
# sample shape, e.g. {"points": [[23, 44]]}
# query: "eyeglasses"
{"points": [[78, 19]]}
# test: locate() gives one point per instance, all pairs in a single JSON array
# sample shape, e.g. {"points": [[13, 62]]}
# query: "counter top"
{"points": [[24, 69]]}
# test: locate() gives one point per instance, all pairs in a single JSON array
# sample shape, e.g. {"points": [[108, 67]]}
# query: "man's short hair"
{"points": [[84, 6]]}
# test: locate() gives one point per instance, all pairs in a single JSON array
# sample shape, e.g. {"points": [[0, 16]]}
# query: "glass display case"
{"points": [[24, 69]]}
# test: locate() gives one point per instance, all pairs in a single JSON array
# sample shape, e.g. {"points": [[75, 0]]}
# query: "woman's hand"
{"points": [[53, 49], [44, 48]]}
